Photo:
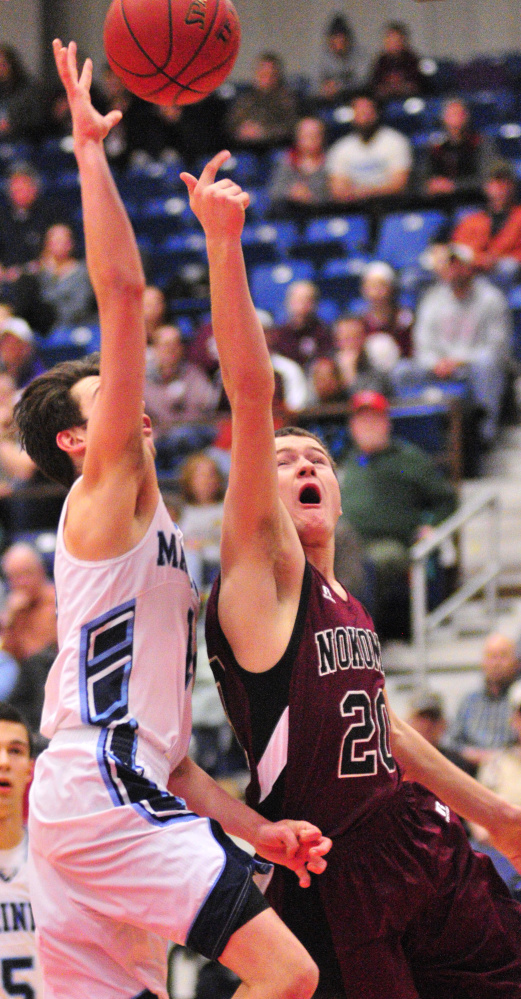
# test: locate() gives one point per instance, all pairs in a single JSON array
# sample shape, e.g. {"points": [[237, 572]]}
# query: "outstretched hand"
{"points": [[219, 205], [87, 123], [294, 844]]}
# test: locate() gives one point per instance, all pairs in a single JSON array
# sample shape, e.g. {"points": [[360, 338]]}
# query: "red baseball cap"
{"points": [[368, 399]]}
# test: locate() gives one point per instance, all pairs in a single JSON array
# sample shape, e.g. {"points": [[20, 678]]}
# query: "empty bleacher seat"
{"points": [[339, 279], [414, 114], [267, 242], [404, 236], [66, 343], [269, 284], [332, 237], [159, 217]]}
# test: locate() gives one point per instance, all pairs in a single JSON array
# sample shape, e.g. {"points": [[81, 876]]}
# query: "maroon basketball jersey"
{"points": [[314, 727]]}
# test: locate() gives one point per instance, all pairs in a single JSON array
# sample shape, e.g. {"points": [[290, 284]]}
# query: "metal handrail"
{"points": [[423, 621]]}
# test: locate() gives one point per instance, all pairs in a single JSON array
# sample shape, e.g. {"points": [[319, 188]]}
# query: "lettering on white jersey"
{"points": [[15, 916], [347, 648], [326, 593], [171, 552]]}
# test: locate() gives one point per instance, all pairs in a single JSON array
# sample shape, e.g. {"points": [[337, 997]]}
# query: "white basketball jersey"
{"points": [[19, 969], [126, 637]]}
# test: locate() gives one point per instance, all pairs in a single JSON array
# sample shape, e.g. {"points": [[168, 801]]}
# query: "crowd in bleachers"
{"points": [[382, 241]]}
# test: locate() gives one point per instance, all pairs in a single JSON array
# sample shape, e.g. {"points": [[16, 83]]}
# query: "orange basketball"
{"points": [[172, 51]]}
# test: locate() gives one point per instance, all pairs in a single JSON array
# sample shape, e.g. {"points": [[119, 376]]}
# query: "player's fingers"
{"points": [[111, 119], [86, 74], [317, 866], [304, 877], [320, 849], [60, 57], [72, 65], [189, 180], [209, 173]]}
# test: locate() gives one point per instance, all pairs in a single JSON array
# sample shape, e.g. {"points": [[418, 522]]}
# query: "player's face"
{"points": [[308, 487], [16, 766], [86, 393]]}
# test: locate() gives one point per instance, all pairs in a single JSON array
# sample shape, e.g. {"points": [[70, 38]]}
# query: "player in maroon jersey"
{"points": [[405, 909]]}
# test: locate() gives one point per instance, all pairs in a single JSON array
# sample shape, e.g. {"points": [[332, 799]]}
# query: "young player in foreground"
{"points": [[121, 861], [405, 909]]}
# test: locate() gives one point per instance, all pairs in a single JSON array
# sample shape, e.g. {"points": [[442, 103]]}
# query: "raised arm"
{"points": [[117, 278], [262, 559], [423, 763]]}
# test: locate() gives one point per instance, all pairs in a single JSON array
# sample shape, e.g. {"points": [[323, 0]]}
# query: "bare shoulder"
{"points": [[110, 518]]}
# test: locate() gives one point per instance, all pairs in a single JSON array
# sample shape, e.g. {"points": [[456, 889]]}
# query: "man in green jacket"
{"points": [[392, 495]]}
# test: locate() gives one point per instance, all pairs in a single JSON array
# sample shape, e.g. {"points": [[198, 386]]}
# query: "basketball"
{"points": [[171, 51]]}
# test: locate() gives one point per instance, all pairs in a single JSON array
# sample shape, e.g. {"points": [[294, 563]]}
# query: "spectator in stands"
{"points": [[265, 114], [63, 294], [343, 65], [502, 773], [348, 338], [463, 332], [15, 464], [130, 134], [426, 714], [24, 219], [392, 495], [202, 489], [188, 132], [28, 626], [299, 179], [456, 162], [483, 720], [292, 391], [18, 354], [303, 336], [373, 162], [177, 392], [383, 313], [21, 104], [396, 73], [155, 308], [494, 233], [327, 385]]}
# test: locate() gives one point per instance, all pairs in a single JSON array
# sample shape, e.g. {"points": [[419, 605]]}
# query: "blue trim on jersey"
{"points": [[126, 783], [217, 916], [106, 675]]}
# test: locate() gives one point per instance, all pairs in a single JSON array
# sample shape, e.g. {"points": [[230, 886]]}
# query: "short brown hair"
{"points": [[46, 407], [302, 432]]}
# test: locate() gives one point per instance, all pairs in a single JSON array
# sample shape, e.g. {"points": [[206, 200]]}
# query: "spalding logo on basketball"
{"points": [[172, 51]]}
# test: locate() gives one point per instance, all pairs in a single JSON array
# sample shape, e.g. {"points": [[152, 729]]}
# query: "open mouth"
{"points": [[5, 785], [310, 495]]}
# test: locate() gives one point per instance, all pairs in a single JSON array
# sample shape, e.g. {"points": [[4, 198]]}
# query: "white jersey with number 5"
{"points": [[19, 969]]}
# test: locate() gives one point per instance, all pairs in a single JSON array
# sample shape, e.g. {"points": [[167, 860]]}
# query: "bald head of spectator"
{"points": [[24, 571], [499, 664]]}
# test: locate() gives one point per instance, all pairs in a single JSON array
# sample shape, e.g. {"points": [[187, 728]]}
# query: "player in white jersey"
{"points": [[126, 847], [19, 967]]}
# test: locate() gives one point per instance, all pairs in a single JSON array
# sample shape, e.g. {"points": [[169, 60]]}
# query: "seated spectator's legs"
{"points": [[487, 381]]}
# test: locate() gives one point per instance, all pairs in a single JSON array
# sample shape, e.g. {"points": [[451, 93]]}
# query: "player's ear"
{"points": [[72, 440]]}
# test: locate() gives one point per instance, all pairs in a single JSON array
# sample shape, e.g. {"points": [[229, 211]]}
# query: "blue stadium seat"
{"points": [[440, 73], [337, 121], [54, 155], [244, 167], [267, 242], [160, 217], [184, 247], [328, 310], [339, 279], [404, 236], [66, 343], [269, 284], [333, 237], [64, 186], [259, 204], [507, 138], [415, 114], [488, 107]]}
